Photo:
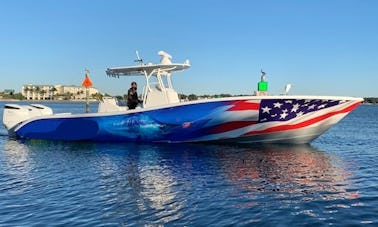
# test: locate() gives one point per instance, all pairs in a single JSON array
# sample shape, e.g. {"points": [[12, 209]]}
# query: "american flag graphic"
{"points": [[255, 117], [283, 110]]}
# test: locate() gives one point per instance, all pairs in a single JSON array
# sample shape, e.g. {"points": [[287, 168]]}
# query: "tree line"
{"points": [[189, 97], [373, 100]]}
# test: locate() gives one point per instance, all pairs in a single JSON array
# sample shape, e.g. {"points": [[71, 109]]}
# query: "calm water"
{"points": [[332, 181]]}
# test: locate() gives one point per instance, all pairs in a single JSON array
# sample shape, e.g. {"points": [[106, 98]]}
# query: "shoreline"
{"points": [[34, 101]]}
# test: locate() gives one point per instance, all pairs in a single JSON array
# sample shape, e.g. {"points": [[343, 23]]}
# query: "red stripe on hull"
{"points": [[228, 126], [244, 105]]}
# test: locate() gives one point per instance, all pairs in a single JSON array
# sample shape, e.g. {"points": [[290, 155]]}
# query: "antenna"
{"points": [[138, 58], [287, 89]]}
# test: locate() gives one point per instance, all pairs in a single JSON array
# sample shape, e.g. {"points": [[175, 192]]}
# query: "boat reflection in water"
{"points": [[288, 171], [16, 164], [145, 185], [172, 182]]}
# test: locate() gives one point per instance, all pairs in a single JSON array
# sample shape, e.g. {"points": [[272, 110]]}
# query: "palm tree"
{"points": [[192, 97], [81, 94], [43, 92], [25, 91], [52, 92], [97, 96], [67, 96], [36, 90]]}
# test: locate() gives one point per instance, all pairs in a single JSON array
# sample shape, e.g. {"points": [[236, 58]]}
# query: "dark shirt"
{"points": [[132, 98]]}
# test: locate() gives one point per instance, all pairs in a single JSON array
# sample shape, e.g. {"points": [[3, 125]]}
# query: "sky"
{"points": [[320, 47]]}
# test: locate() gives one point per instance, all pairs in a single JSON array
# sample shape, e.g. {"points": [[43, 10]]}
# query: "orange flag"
{"points": [[87, 82]]}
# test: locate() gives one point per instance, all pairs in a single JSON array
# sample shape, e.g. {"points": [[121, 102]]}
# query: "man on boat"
{"points": [[132, 96]]}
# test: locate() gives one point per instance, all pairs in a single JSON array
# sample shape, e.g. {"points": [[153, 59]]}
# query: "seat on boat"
{"points": [[110, 104]]}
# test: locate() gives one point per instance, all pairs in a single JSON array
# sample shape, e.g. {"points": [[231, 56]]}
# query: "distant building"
{"points": [[55, 92]]}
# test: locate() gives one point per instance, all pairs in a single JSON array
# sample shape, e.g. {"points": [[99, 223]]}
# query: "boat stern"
{"points": [[15, 114]]}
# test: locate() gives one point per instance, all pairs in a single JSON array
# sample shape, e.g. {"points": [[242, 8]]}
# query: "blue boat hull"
{"points": [[145, 126], [229, 120]]}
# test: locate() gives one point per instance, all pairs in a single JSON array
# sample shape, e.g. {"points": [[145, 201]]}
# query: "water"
{"points": [[332, 181]]}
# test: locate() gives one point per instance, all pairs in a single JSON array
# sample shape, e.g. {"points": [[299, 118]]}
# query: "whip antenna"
{"points": [[138, 58]]}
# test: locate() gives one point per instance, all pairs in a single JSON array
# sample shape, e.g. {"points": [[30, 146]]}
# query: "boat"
{"points": [[163, 118]]}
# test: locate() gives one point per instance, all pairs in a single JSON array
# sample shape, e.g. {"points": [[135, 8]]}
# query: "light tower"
{"points": [[262, 86]]}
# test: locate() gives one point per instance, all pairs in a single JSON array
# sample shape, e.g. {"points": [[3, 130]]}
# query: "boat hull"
{"points": [[280, 119]]}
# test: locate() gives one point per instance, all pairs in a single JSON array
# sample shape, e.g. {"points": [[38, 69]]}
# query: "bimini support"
{"points": [[158, 89]]}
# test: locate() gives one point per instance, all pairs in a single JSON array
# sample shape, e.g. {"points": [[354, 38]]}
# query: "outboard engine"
{"points": [[15, 114]]}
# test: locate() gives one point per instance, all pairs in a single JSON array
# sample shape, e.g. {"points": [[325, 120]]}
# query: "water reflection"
{"points": [[158, 187], [296, 174], [153, 183], [144, 185], [15, 163], [300, 171], [15, 152]]}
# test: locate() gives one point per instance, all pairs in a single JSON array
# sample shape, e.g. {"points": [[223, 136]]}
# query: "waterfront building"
{"points": [[55, 92]]}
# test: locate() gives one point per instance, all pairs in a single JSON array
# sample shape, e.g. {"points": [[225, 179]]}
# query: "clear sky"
{"points": [[320, 47]]}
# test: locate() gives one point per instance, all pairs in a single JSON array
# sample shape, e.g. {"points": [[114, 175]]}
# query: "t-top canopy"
{"points": [[141, 70], [165, 66]]}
